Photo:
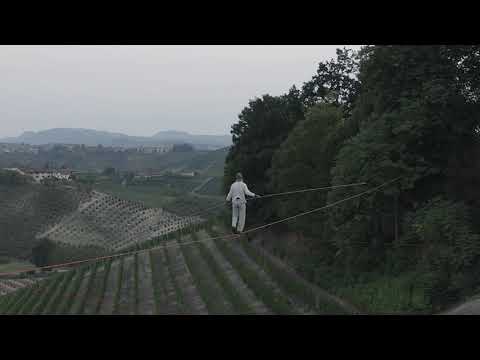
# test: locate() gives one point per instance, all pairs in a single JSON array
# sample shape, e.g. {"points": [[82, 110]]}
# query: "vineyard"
{"points": [[26, 210], [56, 223], [112, 223], [176, 276]]}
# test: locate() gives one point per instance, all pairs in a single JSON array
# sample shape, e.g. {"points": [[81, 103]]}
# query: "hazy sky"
{"points": [[139, 90]]}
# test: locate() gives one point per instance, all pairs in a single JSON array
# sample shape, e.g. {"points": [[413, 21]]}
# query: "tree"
{"points": [[335, 81], [263, 125], [413, 117], [304, 161], [41, 252], [440, 243], [129, 176], [109, 171], [182, 148]]}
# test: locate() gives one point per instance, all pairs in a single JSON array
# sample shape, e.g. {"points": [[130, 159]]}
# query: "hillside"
{"points": [[215, 276], [91, 137], [56, 223], [26, 210], [97, 159]]}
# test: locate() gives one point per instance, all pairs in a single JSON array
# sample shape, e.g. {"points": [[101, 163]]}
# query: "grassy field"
{"points": [[386, 295], [151, 196], [213, 187], [208, 164], [173, 197], [16, 265]]}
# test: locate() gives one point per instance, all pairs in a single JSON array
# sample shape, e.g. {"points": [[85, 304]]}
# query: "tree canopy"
{"points": [[385, 112]]}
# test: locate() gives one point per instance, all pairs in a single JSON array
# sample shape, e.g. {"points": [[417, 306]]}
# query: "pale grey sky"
{"points": [[140, 90]]}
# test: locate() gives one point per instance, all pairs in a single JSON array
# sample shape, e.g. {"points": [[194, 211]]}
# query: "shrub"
{"points": [[446, 249]]}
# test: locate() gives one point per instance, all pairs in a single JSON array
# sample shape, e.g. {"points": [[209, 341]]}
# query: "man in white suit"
{"points": [[237, 193]]}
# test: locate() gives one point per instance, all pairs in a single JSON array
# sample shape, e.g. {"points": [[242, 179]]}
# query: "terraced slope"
{"points": [[28, 209], [79, 223], [177, 277], [113, 224]]}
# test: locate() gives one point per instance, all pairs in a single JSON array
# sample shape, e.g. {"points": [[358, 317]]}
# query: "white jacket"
{"points": [[238, 190]]}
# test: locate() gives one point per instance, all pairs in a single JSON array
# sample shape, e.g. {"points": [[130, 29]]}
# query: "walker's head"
{"points": [[239, 176]]}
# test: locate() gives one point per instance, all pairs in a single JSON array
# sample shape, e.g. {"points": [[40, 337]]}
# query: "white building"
{"points": [[17, 170], [38, 177]]}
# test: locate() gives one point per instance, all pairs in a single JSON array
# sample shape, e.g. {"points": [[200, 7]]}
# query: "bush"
{"points": [[440, 243]]}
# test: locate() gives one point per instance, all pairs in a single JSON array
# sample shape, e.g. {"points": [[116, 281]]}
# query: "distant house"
{"points": [[39, 176], [154, 149], [17, 170]]}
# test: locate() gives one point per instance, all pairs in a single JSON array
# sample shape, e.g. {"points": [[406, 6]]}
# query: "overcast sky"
{"points": [[140, 90]]}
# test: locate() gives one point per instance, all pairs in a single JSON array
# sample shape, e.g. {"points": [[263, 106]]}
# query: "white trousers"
{"points": [[239, 210]]}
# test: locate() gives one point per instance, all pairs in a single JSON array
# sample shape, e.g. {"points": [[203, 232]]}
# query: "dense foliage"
{"points": [[386, 112]]}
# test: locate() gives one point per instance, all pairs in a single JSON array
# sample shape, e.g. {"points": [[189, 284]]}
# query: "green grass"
{"points": [[191, 204], [386, 295], [72, 293], [136, 292], [209, 163], [211, 294], [184, 307], [213, 187], [216, 170], [150, 195], [292, 285], [3, 300], [33, 300], [42, 301], [158, 281], [119, 286], [240, 306], [278, 304], [16, 265], [19, 300], [106, 273], [53, 305], [15, 300], [91, 281]]}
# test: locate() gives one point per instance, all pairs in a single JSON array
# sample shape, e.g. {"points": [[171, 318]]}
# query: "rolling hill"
{"points": [[91, 137], [54, 223]]}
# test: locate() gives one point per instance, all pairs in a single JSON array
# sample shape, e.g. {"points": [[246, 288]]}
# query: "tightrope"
{"points": [[283, 193], [180, 243]]}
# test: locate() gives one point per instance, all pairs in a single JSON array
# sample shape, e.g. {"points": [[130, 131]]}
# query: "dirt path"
{"points": [[471, 307]]}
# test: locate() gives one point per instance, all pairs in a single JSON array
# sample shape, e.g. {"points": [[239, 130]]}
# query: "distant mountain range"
{"points": [[94, 137]]}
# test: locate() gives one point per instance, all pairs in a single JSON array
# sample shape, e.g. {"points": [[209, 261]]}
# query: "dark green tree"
{"points": [[263, 125], [414, 118], [335, 82], [304, 161]]}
